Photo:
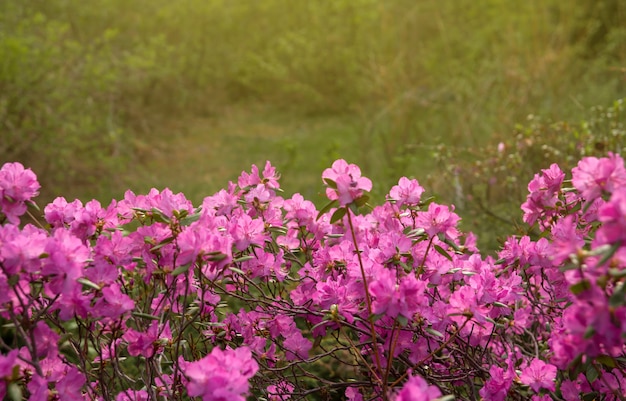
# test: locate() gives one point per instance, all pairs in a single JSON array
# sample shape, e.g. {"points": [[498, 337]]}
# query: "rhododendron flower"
{"points": [[539, 375], [407, 192], [353, 394], [113, 303], [70, 386], [349, 183], [145, 344], [297, 345], [221, 375], [17, 185], [280, 391], [613, 216], [594, 176], [7, 363], [497, 385], [439, 219], [417, 389], [395, 299]]}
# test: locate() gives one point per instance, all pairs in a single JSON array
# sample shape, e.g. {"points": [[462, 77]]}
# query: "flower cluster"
{"points": [[253, 294]]}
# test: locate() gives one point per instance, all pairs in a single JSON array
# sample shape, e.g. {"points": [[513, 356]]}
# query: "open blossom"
{"points": [[417, 389], [439, 219], [539, 375], [349, 183], [407, 192], [221, 375], [593, 176], [395, 299], [17, 185]]}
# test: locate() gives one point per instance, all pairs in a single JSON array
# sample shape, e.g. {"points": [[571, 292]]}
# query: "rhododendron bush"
{"points": [[254, 295]]}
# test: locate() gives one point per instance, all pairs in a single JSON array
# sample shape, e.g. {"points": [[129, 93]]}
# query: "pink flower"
{"points": [[114, 303], [497, 385], [353, 394], [417, 389], [17, 186], [297, 345], [593, 176], [613, 216], [146, 344], [221, 375], [70, 386], [348, 183], [280, 391], [539, 375], [67, 257], [439, 219], [407, 192]]}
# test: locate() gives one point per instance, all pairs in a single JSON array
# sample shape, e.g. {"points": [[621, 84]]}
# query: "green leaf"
{"points": [[158, 215], [145, 316], [326, 208], [617, 273], [33, 205], [580, 287], [187, 220], [338, 215], [277, 229], [606, 361], [181, 269], [217, 257], [443, 252], [362, 200], [618, 298], [236, 270], [161, 244], [418, 232], [608, 254], [433, 332], [330, 183], [448, 397], [591, 373], [89, 283], [354, 208], [403, 321], [243, 258], [14, 392]]}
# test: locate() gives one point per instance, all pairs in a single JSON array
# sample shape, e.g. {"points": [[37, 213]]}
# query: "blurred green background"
{"points": [[103, 95]]}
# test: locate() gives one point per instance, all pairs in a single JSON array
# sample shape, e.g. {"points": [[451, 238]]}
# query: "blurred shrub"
{"points": [[488, 183], [88, 89], [57, 102]]}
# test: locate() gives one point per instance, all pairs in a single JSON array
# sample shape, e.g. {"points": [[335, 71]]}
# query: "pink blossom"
{"points": [[70, 386], [539, 375], [221, 375], [347, 180], [297, 345], [17, 186], [439, 219], [417, 389], [407, 192], [497, 385], [113, 303], [353, 394], [594, 176], [280, 391], [613, 216]]}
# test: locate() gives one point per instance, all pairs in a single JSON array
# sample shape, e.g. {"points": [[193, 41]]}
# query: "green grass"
{"points": [[113, 94]]}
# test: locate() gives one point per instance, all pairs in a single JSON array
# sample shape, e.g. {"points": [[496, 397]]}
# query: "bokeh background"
{"points": [[99, 96]]}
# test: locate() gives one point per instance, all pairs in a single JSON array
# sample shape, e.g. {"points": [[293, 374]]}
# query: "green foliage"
{"points": [[111, 94], [488, 182]]}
